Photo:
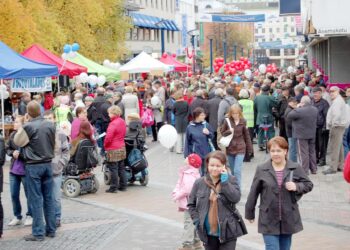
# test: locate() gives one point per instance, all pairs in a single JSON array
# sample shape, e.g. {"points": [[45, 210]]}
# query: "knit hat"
{"points": [[194, 160]]}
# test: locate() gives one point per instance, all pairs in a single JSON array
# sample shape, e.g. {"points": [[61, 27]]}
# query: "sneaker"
{"points": [[33, 238], [111, 190], [15, 222], [50, 235], [28, 221]]}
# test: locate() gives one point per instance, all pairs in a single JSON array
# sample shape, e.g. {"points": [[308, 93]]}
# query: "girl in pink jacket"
{"points": [[188, 174]]}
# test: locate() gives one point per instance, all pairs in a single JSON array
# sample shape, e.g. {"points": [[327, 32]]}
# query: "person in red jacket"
{"points": [[115, 150]]}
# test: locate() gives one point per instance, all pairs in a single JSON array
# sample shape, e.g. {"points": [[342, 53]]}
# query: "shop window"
{"points": [[275, 52]]}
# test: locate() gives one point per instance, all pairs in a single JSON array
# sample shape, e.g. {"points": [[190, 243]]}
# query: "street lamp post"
{"points": [[225, 54], [235, 52], [211, 37], [162, 43], [242, 52], [193, 34]]}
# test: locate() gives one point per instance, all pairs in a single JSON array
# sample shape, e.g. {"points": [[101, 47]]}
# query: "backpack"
{"points": [[147, 118], [346, 170], [137, 161]]}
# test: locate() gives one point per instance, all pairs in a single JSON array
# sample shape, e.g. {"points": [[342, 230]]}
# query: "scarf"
{"points": [[213, 205]]}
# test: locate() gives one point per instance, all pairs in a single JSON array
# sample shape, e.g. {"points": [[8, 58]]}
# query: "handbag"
{"points": [[225, 140], [234, 211]]}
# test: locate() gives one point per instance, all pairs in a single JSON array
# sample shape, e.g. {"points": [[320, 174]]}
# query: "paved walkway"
{"points": [[145, 218]]}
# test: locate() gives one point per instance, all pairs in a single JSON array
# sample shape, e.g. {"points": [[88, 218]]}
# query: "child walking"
{"points": [[188, 174]]}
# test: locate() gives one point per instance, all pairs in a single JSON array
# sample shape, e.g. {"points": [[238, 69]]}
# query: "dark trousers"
{"points": [[282, 127], [215, 141], [321, 145], [307, 154], [118, 175], [214, 244], [155, 129], [40, 193], [1, 217]]}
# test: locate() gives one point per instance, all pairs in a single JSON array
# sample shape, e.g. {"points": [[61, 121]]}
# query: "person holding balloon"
{"points": [[199, 136]]}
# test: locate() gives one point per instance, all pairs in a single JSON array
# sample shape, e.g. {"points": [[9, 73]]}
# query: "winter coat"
{"points": [[263, 105], [240, 143], [198, 207], [2, 162], [62, 154], [187, 176], [199, 102], [288, 123], [181, 111], [322, 107], [338, 114], [282, 106], [304, 121], [131, 104], [99, 100], [104, 112], [265, 185], [92, 114], [196, 141], [213, 108], [115, 134], [224, 106], [169, 111], [157, 111]]}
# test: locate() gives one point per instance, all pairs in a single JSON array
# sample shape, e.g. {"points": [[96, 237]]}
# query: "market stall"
{"points": [[171, 60], [93, 67]]}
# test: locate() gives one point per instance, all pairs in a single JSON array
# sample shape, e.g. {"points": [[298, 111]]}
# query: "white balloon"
{"points": [[92, 79], [248, 73], [167, 136], [4, 94], [101, 80], [106, 62], [64, 56], [117, 65], [72, 54], [262, 68], [84, 77], [155, 101], [3, 88], [290, 69]]}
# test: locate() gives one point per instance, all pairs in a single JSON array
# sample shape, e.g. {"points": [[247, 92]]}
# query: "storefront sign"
{"points": [[38, 84], [325, 31], [208, 18]]}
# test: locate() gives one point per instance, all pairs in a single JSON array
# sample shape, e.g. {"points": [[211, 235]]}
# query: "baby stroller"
{"points": [[78, 177], [135, 163]]}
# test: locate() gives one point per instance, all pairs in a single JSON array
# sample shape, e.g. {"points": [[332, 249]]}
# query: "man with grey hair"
{"points": [[337, 121], [199, 101], [304, 123], [213, 107], [78, 100]]}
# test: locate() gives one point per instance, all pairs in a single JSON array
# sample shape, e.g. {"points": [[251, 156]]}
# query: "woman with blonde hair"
{"points": [[240, 144]]}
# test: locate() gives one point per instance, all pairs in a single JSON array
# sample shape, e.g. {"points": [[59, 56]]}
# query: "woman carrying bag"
{"points": [[280, 183], [212, 203]]}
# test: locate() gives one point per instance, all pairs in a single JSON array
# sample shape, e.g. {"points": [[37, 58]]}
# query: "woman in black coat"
{"points": [[181, 110], [280, 184], [2, 161]]}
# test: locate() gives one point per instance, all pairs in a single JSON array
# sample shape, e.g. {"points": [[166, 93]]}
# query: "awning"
{"points": [[153, 22]]}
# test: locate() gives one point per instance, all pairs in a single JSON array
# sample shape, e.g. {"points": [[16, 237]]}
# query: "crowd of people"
{"points": [[310, 119]]}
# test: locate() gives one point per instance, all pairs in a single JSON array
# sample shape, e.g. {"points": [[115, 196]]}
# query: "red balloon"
{"points": [[165, 55], [216, 60], [245, 60], [242, 58], [246, 67], [174, 55], [232, 71], [189, 74], [269, 65]]}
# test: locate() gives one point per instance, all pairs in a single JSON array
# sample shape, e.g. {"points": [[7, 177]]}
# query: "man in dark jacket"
{"points": [[2, 161], [213, 105], [98, 102], [282, 106], [304, 119], [322, 134], [199, 102], [91, 110], [292, 142], [37, 140]]}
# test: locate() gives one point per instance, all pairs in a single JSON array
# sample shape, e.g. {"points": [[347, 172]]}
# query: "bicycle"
{"points": [[265, 127]]}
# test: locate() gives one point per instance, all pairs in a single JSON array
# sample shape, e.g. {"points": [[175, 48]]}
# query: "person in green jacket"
{"points": [[263, 105]]}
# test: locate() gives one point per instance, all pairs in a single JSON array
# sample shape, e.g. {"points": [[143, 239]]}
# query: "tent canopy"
{"points": [[13, 65], [39, 54], [94, 67], [178, 66], [143, 63]]}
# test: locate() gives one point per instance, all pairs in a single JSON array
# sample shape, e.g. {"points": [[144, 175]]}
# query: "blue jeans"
{"points": [[41, 199], [292, 148], [261, 135], [15, 188], [236, 162], [56, 191], [277, 242], [101, 128]]}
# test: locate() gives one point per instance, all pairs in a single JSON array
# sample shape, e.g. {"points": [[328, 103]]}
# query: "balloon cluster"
{"points": [[165, 55], [270, 68], [70, 50], [243, 64], [4, 94], [107, 63], [92, 79]]}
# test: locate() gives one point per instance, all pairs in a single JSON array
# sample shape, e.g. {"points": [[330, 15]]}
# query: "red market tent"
{"points": [[178, 66], [39, 54]]}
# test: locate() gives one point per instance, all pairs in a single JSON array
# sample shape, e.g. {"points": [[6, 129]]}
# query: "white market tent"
{"points": [[144, 63]]}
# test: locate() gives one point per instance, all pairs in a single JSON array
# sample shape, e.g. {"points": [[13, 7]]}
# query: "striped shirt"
{"points": [[279, 176]]}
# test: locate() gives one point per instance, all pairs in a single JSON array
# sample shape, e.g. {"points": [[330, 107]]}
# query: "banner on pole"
{"points": [[208, 18], [37, 84]]}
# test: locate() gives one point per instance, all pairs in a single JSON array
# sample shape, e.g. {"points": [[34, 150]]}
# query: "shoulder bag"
{"points": [[225, 140]]}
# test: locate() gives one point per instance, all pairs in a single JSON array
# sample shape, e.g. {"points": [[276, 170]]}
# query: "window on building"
{"points": [[151, 3], [278, 30], [289, 52], [256, 31], [292, 29], [140, 35], [263, 40], [134, 35], [156, 4], [275, 52], [270, 30], [285, 29], [156, 35], [166, 5], [129, 35], [285, 19], [263, 30], [172, 36], [161, 4], [292, 18], [168, 36], [147, 35]]}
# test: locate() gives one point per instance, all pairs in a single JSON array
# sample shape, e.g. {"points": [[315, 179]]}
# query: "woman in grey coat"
{"points": [[216, 226], [280, 184]]}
